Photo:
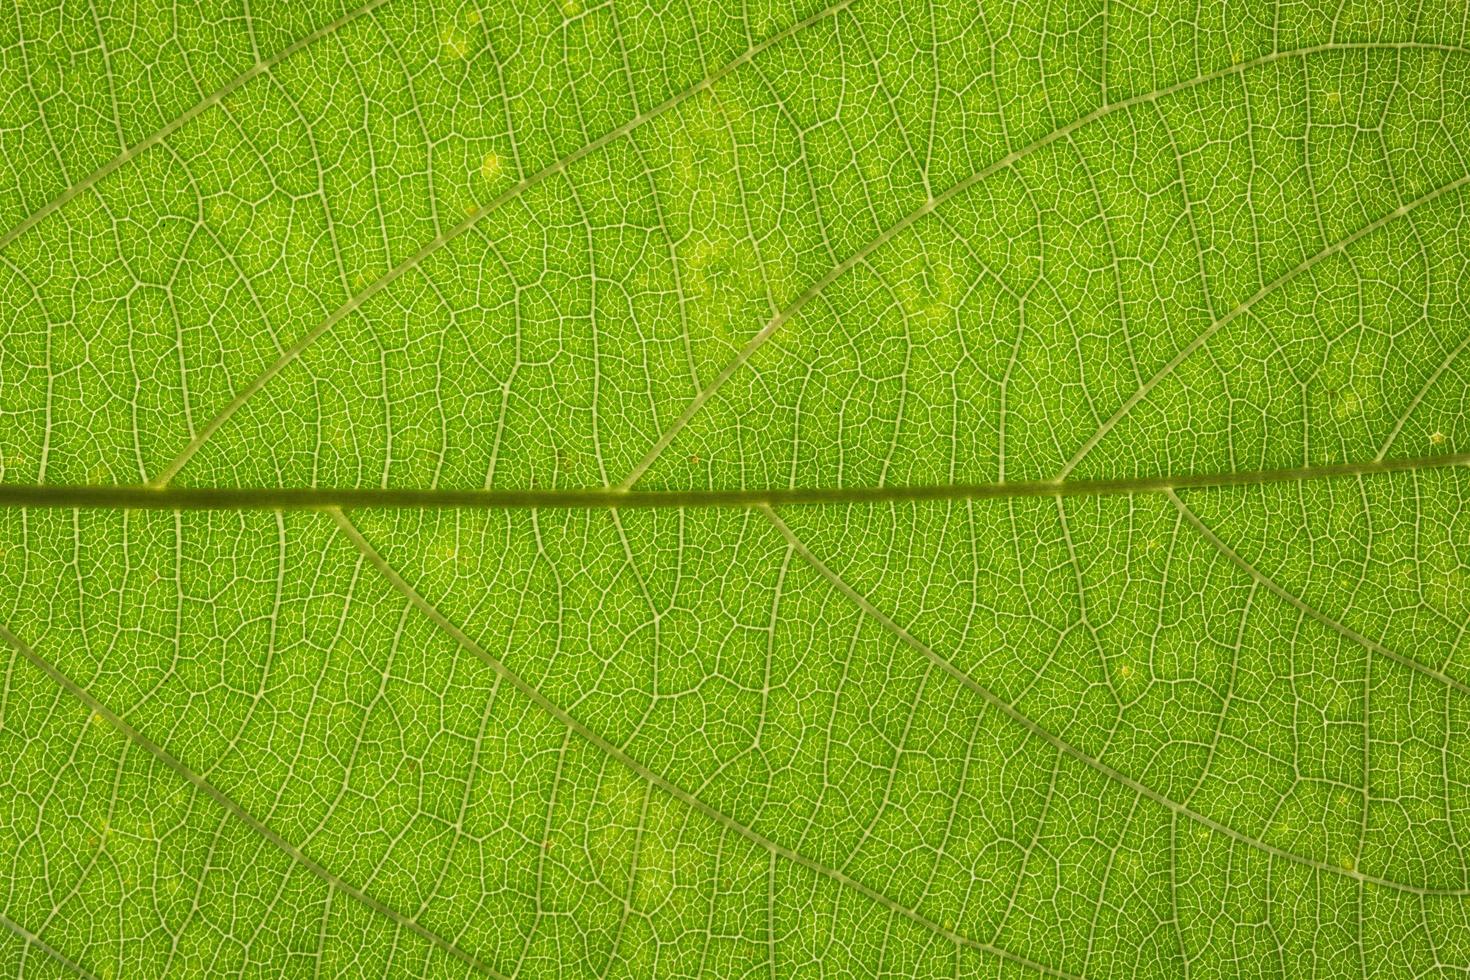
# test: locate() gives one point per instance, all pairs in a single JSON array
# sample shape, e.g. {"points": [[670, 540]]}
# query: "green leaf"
{"points": [[734, 489]]}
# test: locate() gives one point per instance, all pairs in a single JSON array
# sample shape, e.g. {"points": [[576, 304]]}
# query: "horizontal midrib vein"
{"points": [[322, 498]]}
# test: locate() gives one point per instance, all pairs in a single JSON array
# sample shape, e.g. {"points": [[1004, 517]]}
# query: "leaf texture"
{"points": [[713, 489]]}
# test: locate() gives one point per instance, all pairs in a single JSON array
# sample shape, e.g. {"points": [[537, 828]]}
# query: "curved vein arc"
{"points": [[1419, 396], [933, 203], [1220, 323], [1301, 605], [644, 772], [173, 126], [356, 301], [31, 939], [1070, 750], [235, 809]]}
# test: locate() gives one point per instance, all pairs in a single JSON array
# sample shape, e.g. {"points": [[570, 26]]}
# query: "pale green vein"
{"points": [[31, 939], [134, 497], [235, 809], [929, 206], [168, 129], [1203, 337], [643, 772], [356, 301], [1301, 605], [1424, 389], [1073, 752]]}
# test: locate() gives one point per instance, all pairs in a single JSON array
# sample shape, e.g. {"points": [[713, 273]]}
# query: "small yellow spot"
{"points": [[473, 17], [1343, 799], [1437, 438], [471, 208], [455, 44], [97, 719], [1125, 672], [490, 167], [1348, 864], [571, 8], [1334, 97]]}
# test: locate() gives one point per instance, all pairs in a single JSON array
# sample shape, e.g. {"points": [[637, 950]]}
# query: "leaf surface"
{"points": [[734, 489]]}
